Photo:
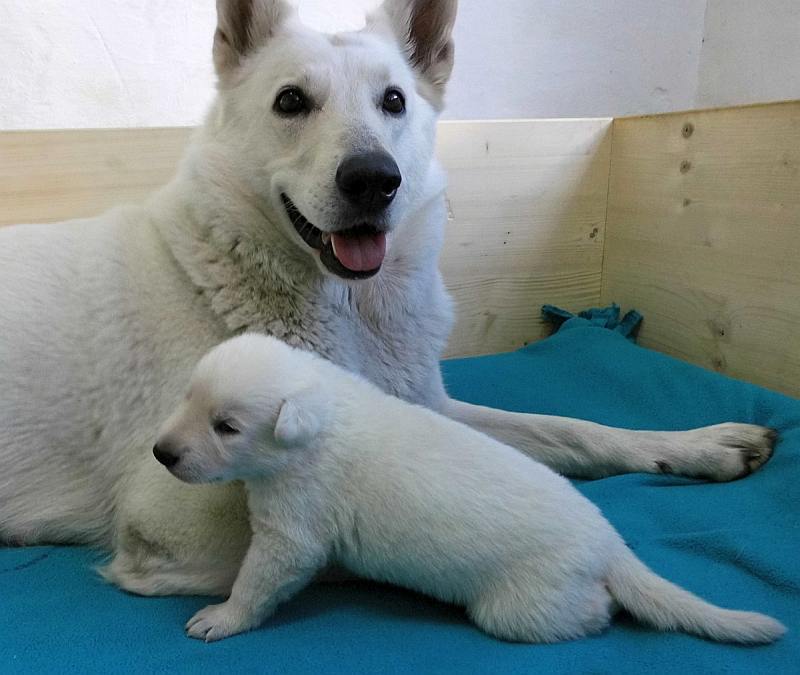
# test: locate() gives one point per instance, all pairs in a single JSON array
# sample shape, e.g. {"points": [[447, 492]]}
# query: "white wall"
{"points": [[557, 58], [106, 63], [751, 52]]}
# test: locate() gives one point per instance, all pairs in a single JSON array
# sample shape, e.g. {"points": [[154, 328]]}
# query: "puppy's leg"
{"points": [[274, 569], [540, 612], [587, 450]]}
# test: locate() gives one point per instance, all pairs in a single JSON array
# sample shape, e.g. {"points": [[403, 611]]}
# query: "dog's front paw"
{"points": [[217, 622], [730, 451]]}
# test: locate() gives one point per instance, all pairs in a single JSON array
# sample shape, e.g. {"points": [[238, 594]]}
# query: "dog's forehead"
{"points": [[213, 385], [210, 396], [200, 394], [350, 57], [365, 52], [243, 368]]}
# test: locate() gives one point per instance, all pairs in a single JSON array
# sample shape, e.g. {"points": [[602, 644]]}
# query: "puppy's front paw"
{"points": [[217, 622]]}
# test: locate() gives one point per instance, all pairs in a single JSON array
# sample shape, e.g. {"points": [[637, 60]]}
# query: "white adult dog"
{"points": [[337, 470], [308, 206]]}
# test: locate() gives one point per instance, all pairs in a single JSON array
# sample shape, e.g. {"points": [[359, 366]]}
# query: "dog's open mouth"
{"points": [[354, 253]]}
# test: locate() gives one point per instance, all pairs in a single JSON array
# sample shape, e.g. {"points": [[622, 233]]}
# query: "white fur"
{"points": [[336, 470], [101, 320]]}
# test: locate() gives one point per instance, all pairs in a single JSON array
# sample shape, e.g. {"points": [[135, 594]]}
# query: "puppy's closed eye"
{"points": [[225, 428]]}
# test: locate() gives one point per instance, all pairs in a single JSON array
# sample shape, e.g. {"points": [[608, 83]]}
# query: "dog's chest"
{"points": [[391, 338], [399, 351]]}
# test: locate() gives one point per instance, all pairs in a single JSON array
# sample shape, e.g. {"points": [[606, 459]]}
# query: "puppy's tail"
{"points": [[662, 604]]}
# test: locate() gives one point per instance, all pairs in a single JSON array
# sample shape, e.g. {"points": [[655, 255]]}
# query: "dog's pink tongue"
{"points": [[360, 254]]}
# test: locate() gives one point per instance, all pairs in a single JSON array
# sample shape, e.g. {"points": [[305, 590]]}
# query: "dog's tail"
{"points": [[662, 604]]}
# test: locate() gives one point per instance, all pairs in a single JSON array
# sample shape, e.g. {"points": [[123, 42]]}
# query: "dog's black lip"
{"points": [[309, 233], [313, 237]]}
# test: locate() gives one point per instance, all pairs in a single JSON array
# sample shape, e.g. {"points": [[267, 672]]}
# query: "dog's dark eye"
{"points": [[225, 428], [393, 102], [291, 101]]}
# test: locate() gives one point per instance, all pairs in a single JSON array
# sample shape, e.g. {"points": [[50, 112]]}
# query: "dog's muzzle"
{"points": [[354, 253]]}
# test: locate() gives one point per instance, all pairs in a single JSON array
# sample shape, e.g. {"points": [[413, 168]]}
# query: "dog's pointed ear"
{"points": [[242, 27], [301, 418], [424, 28]]}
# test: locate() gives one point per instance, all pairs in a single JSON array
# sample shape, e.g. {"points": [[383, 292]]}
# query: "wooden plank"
{"points": [[48, 176], [703, 237], [527, 200]]}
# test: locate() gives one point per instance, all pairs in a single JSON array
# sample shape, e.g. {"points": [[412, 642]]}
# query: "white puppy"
{"points": [[337, 471]]}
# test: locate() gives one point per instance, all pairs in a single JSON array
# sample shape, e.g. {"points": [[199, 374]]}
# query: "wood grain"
{"points": [[528, 203], [48, 176], [703, 237], [527, 199]]}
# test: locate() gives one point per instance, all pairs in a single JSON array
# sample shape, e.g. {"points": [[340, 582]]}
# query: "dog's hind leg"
{"points": [[174, 538], [585, 449], [154, 575]]}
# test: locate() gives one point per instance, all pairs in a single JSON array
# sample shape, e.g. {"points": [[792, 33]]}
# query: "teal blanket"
{"points": [[736, 544]]}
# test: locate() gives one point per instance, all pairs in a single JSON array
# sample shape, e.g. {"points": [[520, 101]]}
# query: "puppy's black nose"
{"points": [[369, 180], [166, 458]]}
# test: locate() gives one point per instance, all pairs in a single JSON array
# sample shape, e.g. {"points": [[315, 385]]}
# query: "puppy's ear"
{"points": [[301, 418], [424, 29], [242, 27]]}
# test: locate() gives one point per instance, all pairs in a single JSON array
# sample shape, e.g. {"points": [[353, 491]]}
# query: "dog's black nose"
{"points": [[165, 457], [369, 180]]}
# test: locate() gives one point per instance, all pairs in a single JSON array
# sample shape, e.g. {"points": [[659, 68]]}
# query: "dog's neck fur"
{"points": [[256, 279]]}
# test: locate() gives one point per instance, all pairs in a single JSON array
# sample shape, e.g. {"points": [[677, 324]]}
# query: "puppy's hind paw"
{"points": [[217, 622]]}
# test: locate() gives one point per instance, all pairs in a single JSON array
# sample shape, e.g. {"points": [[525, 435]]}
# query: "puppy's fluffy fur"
{"points": [[336, 470]]}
